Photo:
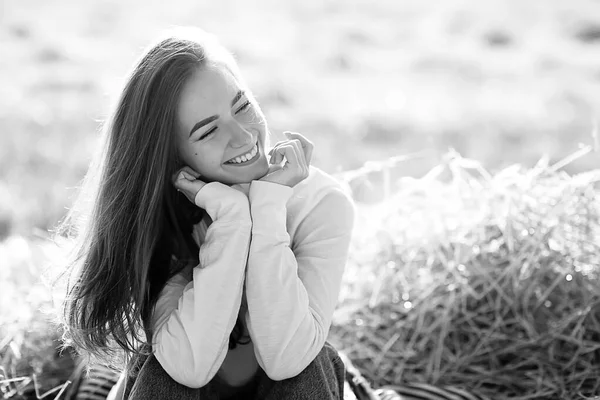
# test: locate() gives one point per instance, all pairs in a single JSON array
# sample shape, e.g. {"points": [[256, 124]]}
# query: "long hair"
{"points": [[132, 228]]}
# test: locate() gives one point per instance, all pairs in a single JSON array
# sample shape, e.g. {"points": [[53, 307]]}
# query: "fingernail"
{"points": [[287, 133]]}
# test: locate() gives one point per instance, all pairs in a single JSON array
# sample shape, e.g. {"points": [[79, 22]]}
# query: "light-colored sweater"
{"points": [[287, 259]]}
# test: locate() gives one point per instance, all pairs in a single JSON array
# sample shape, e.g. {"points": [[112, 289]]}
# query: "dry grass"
{"points": [[30, 365], [489, 283]]}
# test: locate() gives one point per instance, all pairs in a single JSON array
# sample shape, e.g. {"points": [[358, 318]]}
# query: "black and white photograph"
{"points": [[300, 199]]}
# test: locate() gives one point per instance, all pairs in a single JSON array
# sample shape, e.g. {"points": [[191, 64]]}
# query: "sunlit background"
{"points": [[498, 81]]}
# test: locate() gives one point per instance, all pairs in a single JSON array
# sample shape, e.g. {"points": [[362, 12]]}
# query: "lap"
{"points": [[322, 379]]}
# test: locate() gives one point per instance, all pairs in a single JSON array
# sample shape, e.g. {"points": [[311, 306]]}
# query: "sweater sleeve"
{"points": [[292, 292], [192, 321]]}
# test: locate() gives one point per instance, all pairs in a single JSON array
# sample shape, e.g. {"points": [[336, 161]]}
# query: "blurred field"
{"points": [[500, 81]]}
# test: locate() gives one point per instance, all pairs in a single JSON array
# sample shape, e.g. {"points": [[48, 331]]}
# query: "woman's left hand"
{"points": [[298, 152], [307, 145]]}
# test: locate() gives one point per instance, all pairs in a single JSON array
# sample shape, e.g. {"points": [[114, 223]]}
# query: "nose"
{"points": [[240, 136]]}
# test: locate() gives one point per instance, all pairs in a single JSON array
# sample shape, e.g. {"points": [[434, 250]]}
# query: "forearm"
{"points": [[292, 292], [194, 319]]}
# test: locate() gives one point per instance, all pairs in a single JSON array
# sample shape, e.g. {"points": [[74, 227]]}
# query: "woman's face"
{"points": [[219, 120]]}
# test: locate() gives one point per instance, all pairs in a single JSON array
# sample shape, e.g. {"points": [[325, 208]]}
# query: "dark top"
{"points": [[244, 392]]}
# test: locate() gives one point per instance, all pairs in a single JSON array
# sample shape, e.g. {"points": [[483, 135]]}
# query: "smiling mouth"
{"points": [[250, 161]]}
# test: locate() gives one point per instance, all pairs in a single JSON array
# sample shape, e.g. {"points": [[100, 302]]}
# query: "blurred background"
{"points": [[500, 81]]}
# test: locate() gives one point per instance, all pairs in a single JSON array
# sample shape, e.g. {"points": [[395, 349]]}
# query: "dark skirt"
{"points": [[322, 379]]}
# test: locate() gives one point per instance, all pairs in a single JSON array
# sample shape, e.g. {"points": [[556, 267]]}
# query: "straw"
{"points": [[488, 283]]}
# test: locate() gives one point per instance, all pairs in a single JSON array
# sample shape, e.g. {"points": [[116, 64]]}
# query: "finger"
{"points": [[278, 155], [302, 165], [307, 145], [286, 133], [276, 145], [177, 176], [185, 173], [299, 152], [271, 153], [191, 171], [292, 156], [183, 185], [183, 177]]}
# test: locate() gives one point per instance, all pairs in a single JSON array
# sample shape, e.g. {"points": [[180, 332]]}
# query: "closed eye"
{"points": [[211, 130], [243, 107]]}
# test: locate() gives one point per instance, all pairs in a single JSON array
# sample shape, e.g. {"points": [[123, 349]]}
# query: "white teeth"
{"points": [[245, 157]]}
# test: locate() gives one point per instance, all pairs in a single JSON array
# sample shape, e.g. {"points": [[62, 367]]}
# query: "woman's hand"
{"points": [[297, 152], [186, 181]]}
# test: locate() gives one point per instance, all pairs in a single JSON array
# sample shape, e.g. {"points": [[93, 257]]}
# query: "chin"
{"points": [[263, 171], [258, 171]]}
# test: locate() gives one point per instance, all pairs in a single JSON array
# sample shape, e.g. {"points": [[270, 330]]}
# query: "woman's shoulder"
{"points": [[319, 197], [319, 183]]}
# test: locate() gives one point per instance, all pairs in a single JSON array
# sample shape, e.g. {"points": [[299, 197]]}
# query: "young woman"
{"points": [[214, 265]]}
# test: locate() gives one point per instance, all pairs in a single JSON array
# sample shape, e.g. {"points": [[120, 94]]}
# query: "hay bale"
{"points": [[487, 283]]}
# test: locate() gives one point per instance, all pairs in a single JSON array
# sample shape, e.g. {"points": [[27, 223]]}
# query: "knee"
{"points": [[323, 378], [334, 356], [328, 365], [152, 381]]}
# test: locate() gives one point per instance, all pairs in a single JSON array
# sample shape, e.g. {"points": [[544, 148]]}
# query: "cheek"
{"points": [[205, 160], [190, 155]]}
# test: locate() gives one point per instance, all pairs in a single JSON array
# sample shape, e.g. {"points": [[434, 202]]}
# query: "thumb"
{"points": [[182, 176], [183, 184]]}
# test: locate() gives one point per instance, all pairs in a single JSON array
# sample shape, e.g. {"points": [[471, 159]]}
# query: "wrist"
{"points": [[219, 199], [268, 193]]}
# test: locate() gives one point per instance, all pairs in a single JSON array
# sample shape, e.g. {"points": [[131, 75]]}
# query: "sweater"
{"points": [[287, 259]]}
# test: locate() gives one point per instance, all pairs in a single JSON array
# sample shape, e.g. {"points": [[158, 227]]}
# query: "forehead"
{"points": [[207, 92]]}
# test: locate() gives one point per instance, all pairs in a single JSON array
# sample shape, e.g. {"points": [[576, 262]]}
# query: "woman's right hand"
{"points": [[186, 181]]}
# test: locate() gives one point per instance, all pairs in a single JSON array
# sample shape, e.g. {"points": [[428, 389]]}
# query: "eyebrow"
{"points": [[210, 119]]}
